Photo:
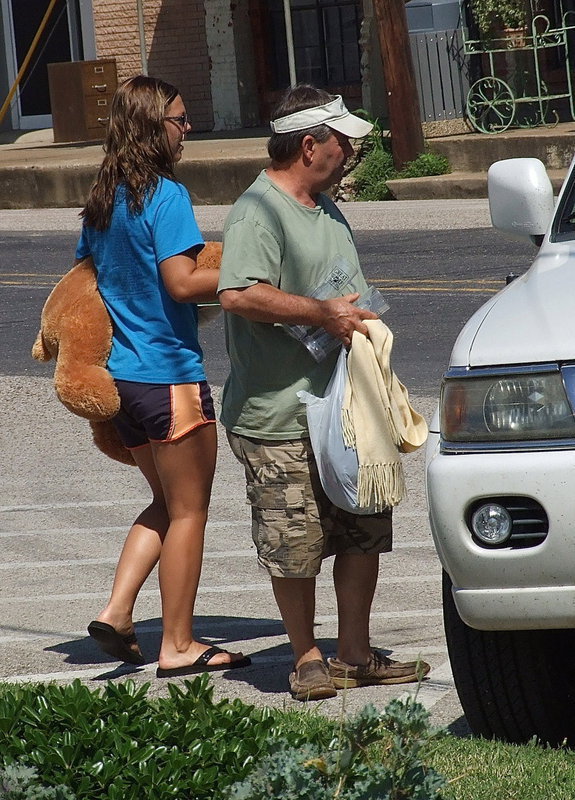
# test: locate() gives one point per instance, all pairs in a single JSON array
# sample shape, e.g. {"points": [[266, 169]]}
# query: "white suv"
{"points": [[501, 478]]}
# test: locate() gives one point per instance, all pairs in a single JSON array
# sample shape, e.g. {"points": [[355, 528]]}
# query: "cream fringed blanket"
{"points": [[377, 418]]}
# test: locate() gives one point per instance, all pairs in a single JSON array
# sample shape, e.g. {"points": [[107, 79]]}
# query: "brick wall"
{"points": [[176, 46], [116, 33]]}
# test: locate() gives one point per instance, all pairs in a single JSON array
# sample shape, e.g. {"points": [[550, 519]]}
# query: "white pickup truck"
{"points": [[500, 478]]}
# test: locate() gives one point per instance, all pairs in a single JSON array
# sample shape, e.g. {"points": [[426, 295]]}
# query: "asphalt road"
{"points": [[65, 508], [433, 281]]}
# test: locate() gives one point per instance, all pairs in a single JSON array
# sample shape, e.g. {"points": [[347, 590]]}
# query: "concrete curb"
{"points": [[36, 173], [45, 186], [475, 152], [220, 181], [456, 186], [210, 182]]}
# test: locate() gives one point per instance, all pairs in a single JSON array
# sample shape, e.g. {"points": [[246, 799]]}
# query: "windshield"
{"points": [[563, 228]]}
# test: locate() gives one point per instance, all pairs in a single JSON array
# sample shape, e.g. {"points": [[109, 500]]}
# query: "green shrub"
{"points": [[22, 783], [370, 176], [375, 139], [425, 164], [348, 767], [73, 743], [117, 744], [376, 167]]}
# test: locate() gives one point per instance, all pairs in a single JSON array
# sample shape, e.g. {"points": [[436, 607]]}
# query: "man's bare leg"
{"points": [[355, 579], [296, 601]]}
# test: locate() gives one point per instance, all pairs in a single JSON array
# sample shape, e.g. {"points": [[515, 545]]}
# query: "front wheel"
{"points": [[512, 685]]}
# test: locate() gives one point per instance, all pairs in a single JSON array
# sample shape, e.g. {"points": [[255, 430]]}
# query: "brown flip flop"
{"points": [[201, 664], [114, 644]]}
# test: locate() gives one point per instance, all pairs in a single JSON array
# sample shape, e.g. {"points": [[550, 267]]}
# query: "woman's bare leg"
{"points": [[140, 553], [186, 469]]}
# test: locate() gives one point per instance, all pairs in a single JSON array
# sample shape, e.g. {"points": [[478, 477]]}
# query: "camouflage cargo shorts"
{"points": [[294, 524]]}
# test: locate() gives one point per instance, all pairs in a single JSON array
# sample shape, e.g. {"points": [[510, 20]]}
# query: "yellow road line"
{"points": [[457, 285], [472, 281], [444, 289], [23, 283], [382, 281], [56, 275]]}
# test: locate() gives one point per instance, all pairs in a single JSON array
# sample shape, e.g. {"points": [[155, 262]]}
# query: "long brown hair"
{"points": [[136, 148]]}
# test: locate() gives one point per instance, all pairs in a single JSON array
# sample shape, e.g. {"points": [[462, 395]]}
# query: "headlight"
{"points": [[513, 407]]}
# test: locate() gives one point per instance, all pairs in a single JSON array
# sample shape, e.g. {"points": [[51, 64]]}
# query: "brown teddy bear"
{"points": [[76, 330]]}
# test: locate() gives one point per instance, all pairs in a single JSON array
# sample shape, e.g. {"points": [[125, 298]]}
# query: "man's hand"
{"points": [[342, 318], [264, 303]]}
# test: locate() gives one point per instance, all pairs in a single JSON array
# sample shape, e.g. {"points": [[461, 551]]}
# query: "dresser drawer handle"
{"points": [[100, 87], [103, 120]]}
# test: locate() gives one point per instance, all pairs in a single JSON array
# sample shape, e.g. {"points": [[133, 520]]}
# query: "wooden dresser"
{"points": [[80, 97]]}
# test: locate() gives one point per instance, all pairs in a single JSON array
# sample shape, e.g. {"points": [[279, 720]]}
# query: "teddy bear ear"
{"points": [[39, 349]]}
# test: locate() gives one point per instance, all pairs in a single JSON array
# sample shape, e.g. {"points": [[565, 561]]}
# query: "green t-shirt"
{"points": [[271, 238]]}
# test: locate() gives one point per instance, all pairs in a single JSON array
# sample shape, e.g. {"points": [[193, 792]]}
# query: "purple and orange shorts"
{"points": [[155, 412]]}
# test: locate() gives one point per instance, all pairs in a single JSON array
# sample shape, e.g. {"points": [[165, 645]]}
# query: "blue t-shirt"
{"points": [[155, 339]]}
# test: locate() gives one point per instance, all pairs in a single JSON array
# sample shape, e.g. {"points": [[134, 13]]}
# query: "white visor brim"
{"points": [[333, 114]]}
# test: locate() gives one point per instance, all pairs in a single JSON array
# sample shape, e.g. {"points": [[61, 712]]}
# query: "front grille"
{"points": [[530, 524]]}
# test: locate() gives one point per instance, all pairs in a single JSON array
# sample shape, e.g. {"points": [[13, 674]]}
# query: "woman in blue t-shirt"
{"points": [[139, 228]]}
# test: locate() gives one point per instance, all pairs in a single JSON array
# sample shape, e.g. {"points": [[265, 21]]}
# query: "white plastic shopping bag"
{"points": [[337, 464]]}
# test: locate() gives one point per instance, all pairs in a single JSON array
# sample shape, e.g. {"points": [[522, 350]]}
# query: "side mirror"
{"points": [[521, 199]]}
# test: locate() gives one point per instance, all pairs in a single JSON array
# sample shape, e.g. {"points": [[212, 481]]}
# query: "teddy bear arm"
{"points": [[210, 256], [86, 390]]}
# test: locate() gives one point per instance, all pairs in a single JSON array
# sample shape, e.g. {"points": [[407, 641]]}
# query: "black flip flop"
{"points": [[114, 644], [201, 664]]}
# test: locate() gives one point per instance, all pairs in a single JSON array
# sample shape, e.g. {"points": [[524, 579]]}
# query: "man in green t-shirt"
{"points": [[283, 241]]}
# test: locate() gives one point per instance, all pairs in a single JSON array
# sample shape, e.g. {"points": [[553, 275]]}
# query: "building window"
{"points": [[326, 42]]}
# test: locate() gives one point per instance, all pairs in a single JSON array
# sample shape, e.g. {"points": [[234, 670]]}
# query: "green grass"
{"points": [[478, 769]]}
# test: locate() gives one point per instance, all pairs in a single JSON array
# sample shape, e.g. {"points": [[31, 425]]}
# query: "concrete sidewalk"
{"points": [[64, 514], [470, 155], [216, 167]]}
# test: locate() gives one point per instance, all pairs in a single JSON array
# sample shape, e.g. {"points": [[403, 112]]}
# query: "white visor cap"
{"points": [[333, 114]]}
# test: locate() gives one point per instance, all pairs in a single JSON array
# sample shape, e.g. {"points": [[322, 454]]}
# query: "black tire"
{"points": [[512, 685]]}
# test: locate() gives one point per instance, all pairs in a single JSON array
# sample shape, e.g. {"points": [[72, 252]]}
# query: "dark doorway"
{"points": [[54, 45], [326, 47]]}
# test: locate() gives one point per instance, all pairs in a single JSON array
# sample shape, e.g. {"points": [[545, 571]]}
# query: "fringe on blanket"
{"points": [[380, 485], [347, 428]]}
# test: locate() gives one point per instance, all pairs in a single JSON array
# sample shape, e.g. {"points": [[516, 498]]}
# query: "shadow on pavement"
{"points": [[219, 630]]}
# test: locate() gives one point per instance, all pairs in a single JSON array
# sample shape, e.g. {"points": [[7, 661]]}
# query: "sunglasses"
{"points": [[182, 120]]}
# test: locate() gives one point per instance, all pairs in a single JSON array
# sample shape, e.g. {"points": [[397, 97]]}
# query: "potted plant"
{"points": [[502, 19]]}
